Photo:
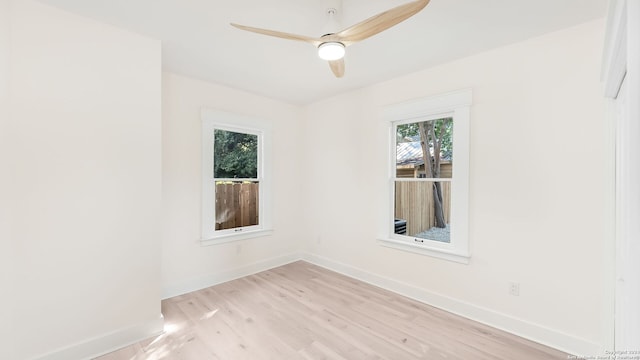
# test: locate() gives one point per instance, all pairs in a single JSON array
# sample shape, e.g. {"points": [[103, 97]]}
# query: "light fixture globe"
{"points": [[331, 51]]}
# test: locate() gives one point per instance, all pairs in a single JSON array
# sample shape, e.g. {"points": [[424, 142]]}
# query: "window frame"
{"points": [[457, 106], [218, 120]]}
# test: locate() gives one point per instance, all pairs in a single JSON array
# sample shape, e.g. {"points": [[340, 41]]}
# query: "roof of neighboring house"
{"points": [[411, 153]]}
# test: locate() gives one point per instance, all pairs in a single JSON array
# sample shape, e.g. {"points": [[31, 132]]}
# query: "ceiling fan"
{"points": [[331, 46]]}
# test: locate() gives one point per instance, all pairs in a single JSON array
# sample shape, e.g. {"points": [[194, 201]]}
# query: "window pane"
{"points": [[237, 204], [423, 209], [437, 136], [235, 155]]}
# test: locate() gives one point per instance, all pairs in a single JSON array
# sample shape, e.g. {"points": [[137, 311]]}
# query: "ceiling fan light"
{"points": [[331, 51]]}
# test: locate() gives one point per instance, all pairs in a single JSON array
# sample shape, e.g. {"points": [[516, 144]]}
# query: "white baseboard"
{"points": [[531, 331], [534, 332], [228, 275], [107, 343], [124, 337]]}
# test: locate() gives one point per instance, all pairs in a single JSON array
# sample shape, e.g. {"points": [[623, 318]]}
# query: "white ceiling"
{"points": [[198, 41]]}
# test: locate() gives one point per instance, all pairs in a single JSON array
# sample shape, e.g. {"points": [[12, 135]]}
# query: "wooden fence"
{"points": [[414, 203], [236, 205]]}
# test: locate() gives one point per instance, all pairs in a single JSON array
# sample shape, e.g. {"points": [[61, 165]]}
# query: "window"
{"points": [[422, 184], [429, 172], [235, 175], [234, 204]]}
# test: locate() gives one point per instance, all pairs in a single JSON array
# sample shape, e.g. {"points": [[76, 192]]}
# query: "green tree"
{"points": [[235, 155]]}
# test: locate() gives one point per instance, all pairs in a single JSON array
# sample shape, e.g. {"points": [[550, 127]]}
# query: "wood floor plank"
{"points": [[302, 311]]}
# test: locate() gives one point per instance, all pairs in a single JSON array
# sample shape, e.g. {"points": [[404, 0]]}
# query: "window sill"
{"points": [[222, 239], [425, 250]]}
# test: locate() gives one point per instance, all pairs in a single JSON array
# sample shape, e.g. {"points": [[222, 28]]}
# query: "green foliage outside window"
{"points": [[443, 127], [235, 155]]}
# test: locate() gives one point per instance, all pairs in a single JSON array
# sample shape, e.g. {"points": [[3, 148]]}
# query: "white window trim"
{"points": [[457, 105], [215, 119]]}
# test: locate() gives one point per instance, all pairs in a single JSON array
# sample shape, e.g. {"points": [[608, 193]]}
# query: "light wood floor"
{"points": [[302, 311]]}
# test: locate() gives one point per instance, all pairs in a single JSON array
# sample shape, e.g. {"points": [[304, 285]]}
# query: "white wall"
{"points": [[86, 131], [6, 258], [186, 265], [537, 187]]}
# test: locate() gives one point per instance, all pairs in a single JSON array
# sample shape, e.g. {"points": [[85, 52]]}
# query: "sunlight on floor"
{"points": [[170, 329], [209, 315]]}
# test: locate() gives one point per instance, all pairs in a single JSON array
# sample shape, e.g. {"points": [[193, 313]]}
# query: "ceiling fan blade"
{"points": [[337, 66], [380, 22], [279, 34]]}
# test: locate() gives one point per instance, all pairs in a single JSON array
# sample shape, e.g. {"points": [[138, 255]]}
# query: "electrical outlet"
{"points": [[514, 288]]}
